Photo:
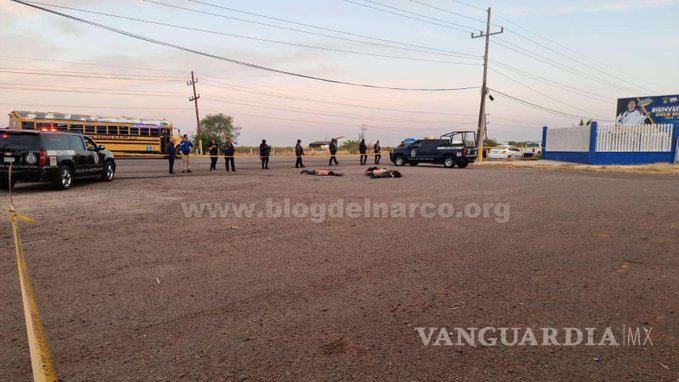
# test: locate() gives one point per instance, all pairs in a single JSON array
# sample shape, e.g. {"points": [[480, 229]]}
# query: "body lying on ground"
{"points": [[321, 172], [376, 172]]}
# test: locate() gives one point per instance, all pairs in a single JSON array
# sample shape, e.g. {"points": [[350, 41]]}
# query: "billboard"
{"points": [[646, 110]]}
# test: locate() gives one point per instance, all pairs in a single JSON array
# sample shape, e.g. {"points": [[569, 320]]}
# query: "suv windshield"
{"points": [[10, 141]]}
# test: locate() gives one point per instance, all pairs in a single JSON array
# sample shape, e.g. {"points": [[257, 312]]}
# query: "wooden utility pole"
{"points": [[194, 99], [480, 132]]}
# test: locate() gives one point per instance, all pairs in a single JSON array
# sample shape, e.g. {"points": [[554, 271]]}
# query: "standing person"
{"points": [[169, 148], [186, 146], [229, 152], [377, 149], [363, 149], [299, 152], [333, 151], [213, 149], [264, 152]]}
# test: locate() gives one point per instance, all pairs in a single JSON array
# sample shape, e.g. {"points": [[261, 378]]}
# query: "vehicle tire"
{"points": [[64, 179], [448, 162], [413, 163], [399, 160], [178, 151], [462, 164], [109, 172], [509, 157]]}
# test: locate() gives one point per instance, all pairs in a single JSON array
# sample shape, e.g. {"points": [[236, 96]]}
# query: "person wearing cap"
{"points": [[213, 149], [169, 149]]}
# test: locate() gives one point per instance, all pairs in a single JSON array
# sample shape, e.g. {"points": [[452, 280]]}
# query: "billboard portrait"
{"points": [[648, 110]]}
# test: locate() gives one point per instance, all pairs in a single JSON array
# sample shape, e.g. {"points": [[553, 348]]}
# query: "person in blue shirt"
{"points": [[186, 153]]}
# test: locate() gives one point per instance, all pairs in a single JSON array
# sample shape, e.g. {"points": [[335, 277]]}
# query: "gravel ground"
{"points": [[131, 289]]}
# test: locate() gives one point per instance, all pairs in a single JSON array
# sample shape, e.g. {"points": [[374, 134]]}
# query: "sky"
{"points": [[573, 57]]}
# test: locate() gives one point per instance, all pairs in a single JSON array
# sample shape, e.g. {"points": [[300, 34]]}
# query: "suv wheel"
{"points": [[65, 178], [449, 162], [399, 161], [109, 172]]}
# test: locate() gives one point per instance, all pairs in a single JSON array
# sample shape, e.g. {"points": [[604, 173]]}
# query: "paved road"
{"points": [[132, 289], [137, 168]]}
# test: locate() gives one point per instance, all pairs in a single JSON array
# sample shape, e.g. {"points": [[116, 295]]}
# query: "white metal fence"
{"points": [[634, 138], [568, 139]]}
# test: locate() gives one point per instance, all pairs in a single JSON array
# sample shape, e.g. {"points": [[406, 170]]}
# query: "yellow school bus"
{"points": [[125, 135]]}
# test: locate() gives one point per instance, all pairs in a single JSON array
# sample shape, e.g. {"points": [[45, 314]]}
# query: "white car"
{"points": [[504, 152], [532, 149]]}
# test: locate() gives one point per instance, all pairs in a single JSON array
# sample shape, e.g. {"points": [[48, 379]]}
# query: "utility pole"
{"points": [[194, 99], [480, 132]]}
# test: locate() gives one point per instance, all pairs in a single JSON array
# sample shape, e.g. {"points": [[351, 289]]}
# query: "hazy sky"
{"points": [[625, 48]]}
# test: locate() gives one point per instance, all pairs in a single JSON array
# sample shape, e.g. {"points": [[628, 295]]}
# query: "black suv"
{"points": [[45, 156], [456, 148]]}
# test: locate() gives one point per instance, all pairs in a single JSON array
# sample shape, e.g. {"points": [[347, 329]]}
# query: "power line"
{"points": [[307, 46], [88, 75], [421, 18], [541, 93], [43, 59], [433, 51], [527, 53], [574, 90], [329, 29], [446, 11], [233, 61], [228, 86], [536, 106]]}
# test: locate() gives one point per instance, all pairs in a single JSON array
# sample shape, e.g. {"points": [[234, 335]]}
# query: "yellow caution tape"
{"points": [[41, 356]]}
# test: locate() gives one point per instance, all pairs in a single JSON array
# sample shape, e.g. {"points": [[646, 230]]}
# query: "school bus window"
{"points": [[28, 125], [144, 131], [123, 130], [155, 132], [44, 125], [76, 128], [61, 126], [134, 131], [112, 130], [89, 129], [101, 130]]}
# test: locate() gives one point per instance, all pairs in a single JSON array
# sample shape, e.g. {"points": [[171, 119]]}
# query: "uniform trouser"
{"points": [[364, 159], [231, 161], [377, 158], [171, 163], [186, 162], [298, 162], [213, 163], [265, 162], [332, 159]]}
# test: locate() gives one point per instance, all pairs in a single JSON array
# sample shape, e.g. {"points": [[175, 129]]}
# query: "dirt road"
{"points": [[132, 289]]}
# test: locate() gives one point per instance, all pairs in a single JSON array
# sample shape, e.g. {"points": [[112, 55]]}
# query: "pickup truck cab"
{"points": [[453, 149], [56, 157]]}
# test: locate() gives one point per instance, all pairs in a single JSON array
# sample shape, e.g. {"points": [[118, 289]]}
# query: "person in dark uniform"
{"points": [[363, 149], [213, 149], [169, 149], [264, 152], [229, 151], [333, 151], [377, 149], [299, 152]]}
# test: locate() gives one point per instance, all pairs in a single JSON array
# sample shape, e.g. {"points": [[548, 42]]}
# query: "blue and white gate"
{"points": [[612, 144]]}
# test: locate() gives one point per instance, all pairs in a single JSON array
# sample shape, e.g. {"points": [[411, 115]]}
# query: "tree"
{"points": [[350, 145], [490, 142], [218, 127]]}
